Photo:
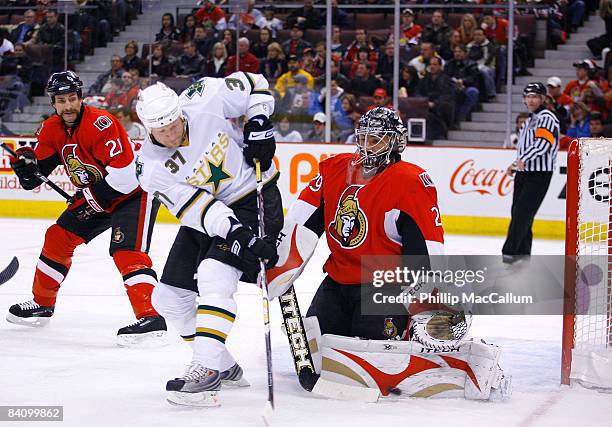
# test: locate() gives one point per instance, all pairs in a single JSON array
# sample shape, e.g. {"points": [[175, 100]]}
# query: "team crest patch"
{"points": [[350, 225], [81, 174], [426, 179], [316, 183], [389, 330], [118, 235], [102, 123], [195, 88]]}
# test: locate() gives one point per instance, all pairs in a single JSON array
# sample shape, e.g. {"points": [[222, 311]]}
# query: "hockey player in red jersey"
{"points": [[98, 156], [370, 203]]}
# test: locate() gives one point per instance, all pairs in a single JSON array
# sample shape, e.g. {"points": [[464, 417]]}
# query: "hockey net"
{"points": [[587, 325]]}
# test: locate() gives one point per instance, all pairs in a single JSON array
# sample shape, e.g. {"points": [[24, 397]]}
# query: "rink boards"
{"points": [[474, 193]]}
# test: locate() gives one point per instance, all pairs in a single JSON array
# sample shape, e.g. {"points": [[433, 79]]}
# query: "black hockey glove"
{"points": [[244, 244], [259, 142], [83, 205], [25, 164]]}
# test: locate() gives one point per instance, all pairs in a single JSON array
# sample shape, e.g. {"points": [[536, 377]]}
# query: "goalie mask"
{"points": [[379, 135]]}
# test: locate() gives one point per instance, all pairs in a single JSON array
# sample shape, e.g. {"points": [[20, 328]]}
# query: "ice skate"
{"points": [[147, 331], [29, 313], [234, 377], [198, 387]]}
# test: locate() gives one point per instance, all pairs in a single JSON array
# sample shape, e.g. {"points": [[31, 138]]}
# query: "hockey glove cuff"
{"points": [[259, 142], [83, 205], [244, 244], [25, 164]]}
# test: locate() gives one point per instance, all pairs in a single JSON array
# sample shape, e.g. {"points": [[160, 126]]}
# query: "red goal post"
{"points": [[587, 318]]}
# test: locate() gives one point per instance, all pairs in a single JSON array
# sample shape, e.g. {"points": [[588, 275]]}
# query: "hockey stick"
{"points": [[40, 176], [9, 271], [269, 409]]}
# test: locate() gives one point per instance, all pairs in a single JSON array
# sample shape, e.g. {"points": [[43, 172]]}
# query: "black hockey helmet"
{"points": [[534, 88], [379, 133], [64, 82]]}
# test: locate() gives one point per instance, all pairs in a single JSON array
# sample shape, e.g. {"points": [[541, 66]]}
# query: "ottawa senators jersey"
{"points": [[369, 218], [97, 150]]}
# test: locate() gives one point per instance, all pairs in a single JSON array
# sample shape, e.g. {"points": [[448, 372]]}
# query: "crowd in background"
{"points": [[447, 69]]}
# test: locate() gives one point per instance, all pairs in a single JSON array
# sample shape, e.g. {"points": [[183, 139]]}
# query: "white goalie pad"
{"points": [[470, 370], [296, 245]]}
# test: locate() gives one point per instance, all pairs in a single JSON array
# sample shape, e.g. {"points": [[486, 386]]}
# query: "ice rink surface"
{"points": [[74, 361]]}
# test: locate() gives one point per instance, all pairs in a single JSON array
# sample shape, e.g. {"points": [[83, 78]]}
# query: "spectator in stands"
{"points": [[168, 31], [411, 32], [447, 51], [247, 63], [41, 11], [334, 101], [337, 48], [52, 33], [345, 118], [307, 17], [362, 57], [19, 64], [464, 73], [554, 90], [115, 98], [287, 80], [339, 17], [337, 75], [597, 127], [273, 65], [211, 16], [579, 121], [384, 67], [319, 62], [361, 41], [467, 27], [436, 32], [408, 81], [439, 89], [284, 133], [161, 64], [136, 77], [584, 70], [260, 48], [295, 45], [215, 66], [134, 129], [421, 62], [102, 84], [248, 19], [190, 64], [5, 44], [13, 92], [559, 111], [25, 32], [299, 100], [204, 41], [593, 102], [363, 83], [309, 64], [131, 58], [228, 41], [520, 120], [484, 52], [188, 31], [269, 21], [317, 133], [381, 99], [605, 13], [131, 88]]}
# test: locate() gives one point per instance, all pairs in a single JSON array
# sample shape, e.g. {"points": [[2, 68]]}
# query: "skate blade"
{"points": [[32, 322], [149, 339], [205, 399], [242, 382]]}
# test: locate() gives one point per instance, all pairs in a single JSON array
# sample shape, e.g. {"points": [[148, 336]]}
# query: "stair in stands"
{"points": [[487, 127]]}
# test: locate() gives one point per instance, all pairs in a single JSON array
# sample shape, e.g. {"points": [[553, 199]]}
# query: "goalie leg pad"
{"points": [[313, 335], [470, 370], [296, 244]]}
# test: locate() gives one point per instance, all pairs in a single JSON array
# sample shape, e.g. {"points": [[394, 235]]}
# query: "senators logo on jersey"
{"points": [[350, 225], [81, 174]]}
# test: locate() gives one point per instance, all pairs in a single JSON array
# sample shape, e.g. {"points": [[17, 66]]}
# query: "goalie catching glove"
{"points": [[259, 142]]}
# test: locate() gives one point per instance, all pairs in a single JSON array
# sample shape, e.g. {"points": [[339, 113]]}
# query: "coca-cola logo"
{"points": [[469, 178]]}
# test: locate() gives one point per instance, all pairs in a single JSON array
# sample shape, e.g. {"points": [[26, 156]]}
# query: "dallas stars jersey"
{"points": [[209, 165], [394, 213]]}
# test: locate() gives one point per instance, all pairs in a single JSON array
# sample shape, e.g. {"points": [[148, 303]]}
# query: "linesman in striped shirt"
{"points": [[537, 149]]}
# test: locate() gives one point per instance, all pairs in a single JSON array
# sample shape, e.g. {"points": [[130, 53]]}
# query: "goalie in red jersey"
{"points": [[97, 154], [379, 213]]}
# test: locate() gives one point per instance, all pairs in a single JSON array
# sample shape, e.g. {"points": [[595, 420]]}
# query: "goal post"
{"points": [[587, 319]]}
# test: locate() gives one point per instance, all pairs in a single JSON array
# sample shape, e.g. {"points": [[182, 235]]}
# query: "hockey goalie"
{"points": [[372, 205]]}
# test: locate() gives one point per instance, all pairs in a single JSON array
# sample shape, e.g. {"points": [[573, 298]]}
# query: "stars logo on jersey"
{"points": [[196, 88], [81, 174], [350, 225], [217, 175], [215, 163]]}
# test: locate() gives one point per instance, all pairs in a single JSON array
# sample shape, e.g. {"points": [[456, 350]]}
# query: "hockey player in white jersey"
{"points": [[201, 168]]}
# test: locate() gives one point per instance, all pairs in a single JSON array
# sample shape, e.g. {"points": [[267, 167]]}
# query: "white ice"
{"points": [[74, 361]]}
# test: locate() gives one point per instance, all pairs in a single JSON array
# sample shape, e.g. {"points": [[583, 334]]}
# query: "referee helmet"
{"points": [[536, 88]]}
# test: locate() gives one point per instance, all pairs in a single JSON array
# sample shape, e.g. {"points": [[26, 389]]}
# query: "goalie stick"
{"points": [[9, 271], [39, 175]]}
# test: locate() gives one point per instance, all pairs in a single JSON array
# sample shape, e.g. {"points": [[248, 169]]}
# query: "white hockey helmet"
{"points": [[157, 106]]}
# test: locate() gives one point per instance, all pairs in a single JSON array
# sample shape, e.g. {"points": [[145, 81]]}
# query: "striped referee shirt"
{"points": [[539, 141]]}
